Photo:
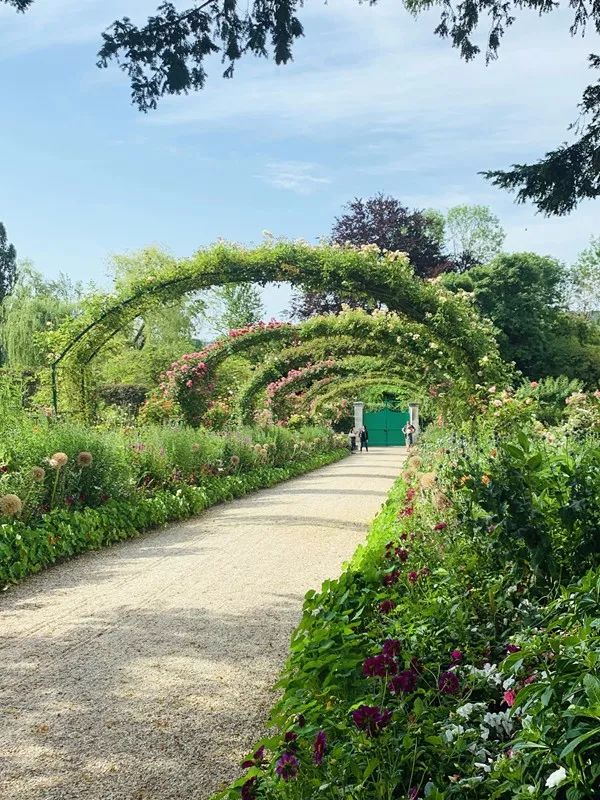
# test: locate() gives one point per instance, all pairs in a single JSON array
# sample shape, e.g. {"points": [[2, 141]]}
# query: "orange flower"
{"points": [[486, 480], [465, 479], [493, 453]]}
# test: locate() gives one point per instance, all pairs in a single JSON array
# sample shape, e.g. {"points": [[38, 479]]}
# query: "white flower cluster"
{"points": [[497, 725], [489, 673]]}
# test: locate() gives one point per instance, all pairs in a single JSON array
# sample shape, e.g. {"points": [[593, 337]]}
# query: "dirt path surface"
{"points": [[143, 672]]}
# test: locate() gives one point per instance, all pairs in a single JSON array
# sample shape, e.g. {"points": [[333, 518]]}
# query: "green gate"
{"points": [[385, 427]]}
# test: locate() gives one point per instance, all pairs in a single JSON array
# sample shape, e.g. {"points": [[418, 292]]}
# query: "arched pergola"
{"points": [[449, 321]]}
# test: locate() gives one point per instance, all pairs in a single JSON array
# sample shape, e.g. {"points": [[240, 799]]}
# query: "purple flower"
{"points": [[379, 666], [386, 606], [301, 720], [259, 755], [413, 577], [391, 648], [256, 759], [392, 577], [456, 656], [371, 720], [512, 648], [290, 737], [248, 789], [287, 766], [413, 793], [401, 553], [403, 682], [319, 747], [448, 683]]}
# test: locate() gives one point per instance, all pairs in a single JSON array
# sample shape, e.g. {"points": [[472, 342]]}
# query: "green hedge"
{"points": [[27, 549]]}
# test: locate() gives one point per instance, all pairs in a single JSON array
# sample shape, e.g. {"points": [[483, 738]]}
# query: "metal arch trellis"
{"points": [[282, 265], [110, 312]]}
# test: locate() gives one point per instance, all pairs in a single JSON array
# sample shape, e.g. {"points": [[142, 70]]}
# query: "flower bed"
{"points": [[57, 505], [458, 654]]}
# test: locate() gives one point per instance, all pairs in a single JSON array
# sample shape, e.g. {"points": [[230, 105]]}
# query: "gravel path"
{"points": [[143, 672]]}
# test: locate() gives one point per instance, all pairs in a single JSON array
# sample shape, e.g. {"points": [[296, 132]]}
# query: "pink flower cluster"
{"points": [[257, 326], [298, 375], [188, 371], [192, 368]]}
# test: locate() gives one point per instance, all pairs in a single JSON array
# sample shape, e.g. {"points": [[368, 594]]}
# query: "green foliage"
{"points": [[8, 264], [35, 307], [474, 235], [465, 621], [125, 460], [237, 305], [584, 280]]}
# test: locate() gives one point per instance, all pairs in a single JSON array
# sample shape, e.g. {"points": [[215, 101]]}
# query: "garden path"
{"points": [[143, 672]]}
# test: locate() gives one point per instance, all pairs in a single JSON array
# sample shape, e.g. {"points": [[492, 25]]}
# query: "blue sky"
{"points": [[373, 102]]}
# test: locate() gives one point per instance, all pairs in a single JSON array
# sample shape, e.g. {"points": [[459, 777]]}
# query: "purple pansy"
{"points": [[391, 648], [287, 766], [386, 606], [248, 789]]}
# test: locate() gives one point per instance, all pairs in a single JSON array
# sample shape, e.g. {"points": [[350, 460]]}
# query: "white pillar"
{"points": [[413, 417], [358, 415]]}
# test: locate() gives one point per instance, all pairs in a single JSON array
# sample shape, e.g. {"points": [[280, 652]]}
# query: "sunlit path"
{"points": [[143, 671]]}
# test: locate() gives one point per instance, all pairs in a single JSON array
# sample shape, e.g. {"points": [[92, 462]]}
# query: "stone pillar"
{"points": [[358, 415], [413, 418]]}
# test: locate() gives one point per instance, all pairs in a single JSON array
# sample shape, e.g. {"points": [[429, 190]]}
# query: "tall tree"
{"points": [[474, 235], [584, 280], [34, 306], [8, 264], [383, 221], [234, 305]]}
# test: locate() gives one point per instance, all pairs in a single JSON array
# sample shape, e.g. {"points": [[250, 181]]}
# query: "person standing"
{"points": [[409, 431], [352, 437], [363, 435]]}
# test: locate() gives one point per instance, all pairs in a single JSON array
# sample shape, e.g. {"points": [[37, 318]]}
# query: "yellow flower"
{"points": [[10, 505]]}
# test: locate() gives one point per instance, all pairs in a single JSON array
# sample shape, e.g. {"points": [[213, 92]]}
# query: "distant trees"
{"points": [[34, 306], [473, 235], [8, 264], [234, 306], [525, 296], [584, 280]]}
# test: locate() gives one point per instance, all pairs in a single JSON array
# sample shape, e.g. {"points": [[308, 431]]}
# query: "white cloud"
{"points": [[56, 23], [295, 176]]}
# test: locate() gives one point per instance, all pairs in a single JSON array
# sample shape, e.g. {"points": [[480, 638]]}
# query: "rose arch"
{"points": [[365, 273]]}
